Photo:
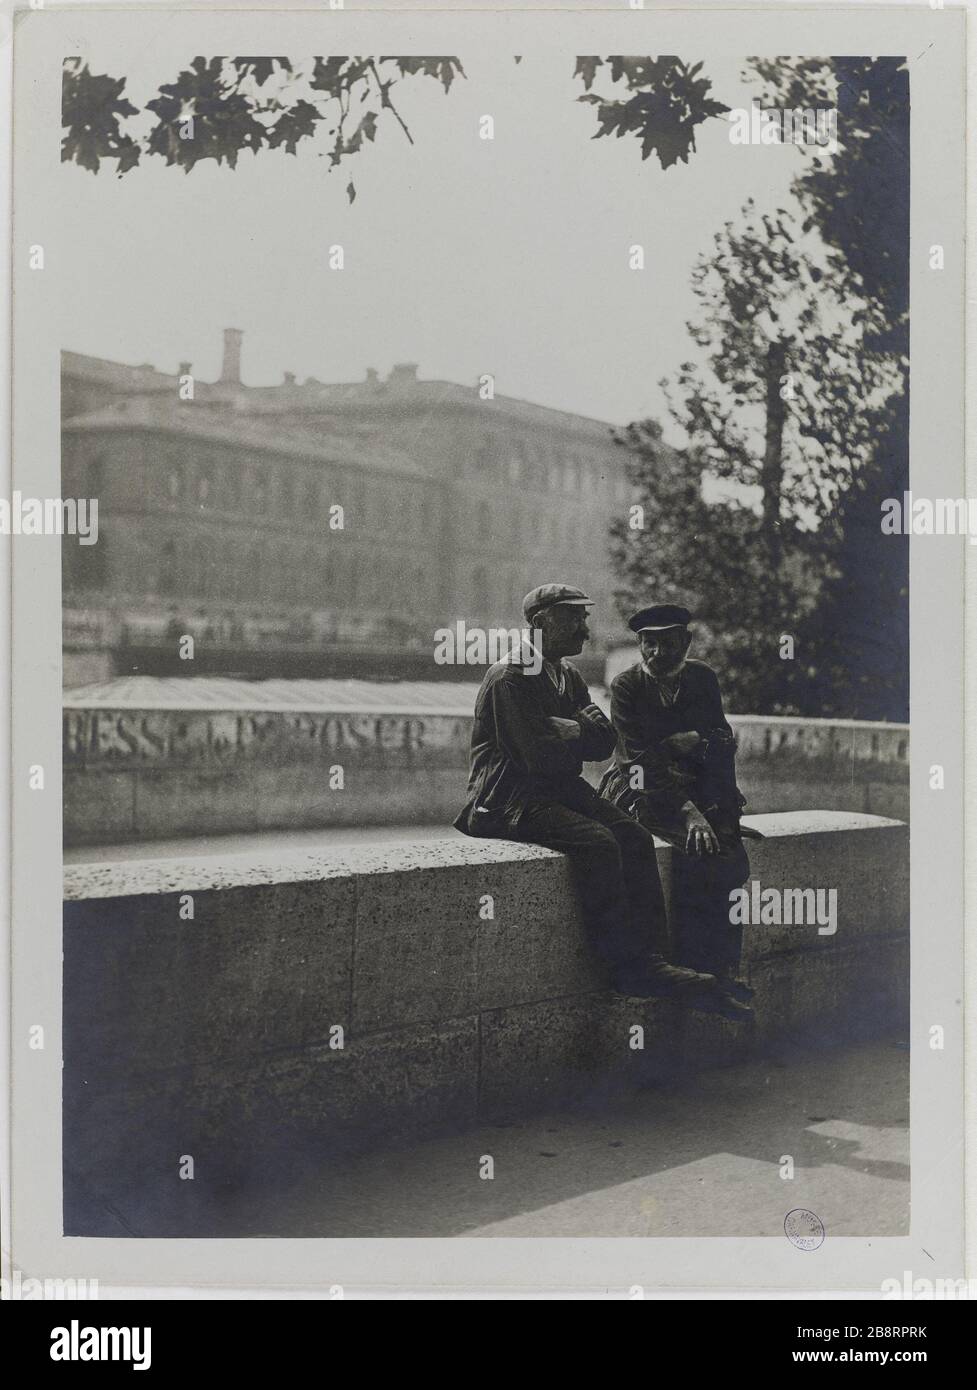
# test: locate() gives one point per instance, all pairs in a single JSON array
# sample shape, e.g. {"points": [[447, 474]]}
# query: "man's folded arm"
{"points": [[523, 731], [598, 735]]}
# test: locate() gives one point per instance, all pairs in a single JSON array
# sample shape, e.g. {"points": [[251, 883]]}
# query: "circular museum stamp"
{"points": [[804, 1229]]}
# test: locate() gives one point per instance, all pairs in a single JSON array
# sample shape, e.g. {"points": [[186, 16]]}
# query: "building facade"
{"points": [[324, 513]]}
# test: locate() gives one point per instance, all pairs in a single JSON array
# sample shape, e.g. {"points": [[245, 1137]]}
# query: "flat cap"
{"points": [[549, 595], [659, 617]]}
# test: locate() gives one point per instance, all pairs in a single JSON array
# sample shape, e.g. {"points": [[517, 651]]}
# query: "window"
{"points": [[84, 565], [228, 570], [358, 504], [207, 569], [232, 488], [289, 574], [256, 572], [167, 567]]}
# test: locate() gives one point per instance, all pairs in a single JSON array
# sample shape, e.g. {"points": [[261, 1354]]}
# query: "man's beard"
{"points": [[671, 672]]}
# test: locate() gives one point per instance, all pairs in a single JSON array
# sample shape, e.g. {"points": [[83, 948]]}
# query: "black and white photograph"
{"points": [[495, 496]]}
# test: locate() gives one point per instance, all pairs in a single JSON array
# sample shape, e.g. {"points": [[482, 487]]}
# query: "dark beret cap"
{"points": [[659, 617]]}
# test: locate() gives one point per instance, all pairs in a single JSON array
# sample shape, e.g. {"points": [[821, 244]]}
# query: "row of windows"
{"points": [[232, 487], [377, 503], [534, 466], [507, 524], [256, 571], [512, 528], [238, 569]]}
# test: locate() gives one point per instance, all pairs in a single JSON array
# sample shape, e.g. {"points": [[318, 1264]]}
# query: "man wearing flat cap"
{"points": [[674, 771], [534, 727]]}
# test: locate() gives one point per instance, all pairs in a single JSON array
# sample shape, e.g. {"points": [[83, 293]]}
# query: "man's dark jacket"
{"points": [[644, 721], [518, 761]]}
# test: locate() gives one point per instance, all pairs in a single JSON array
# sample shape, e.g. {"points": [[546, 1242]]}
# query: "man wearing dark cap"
{"points": [[535, 726], [674, 771]]}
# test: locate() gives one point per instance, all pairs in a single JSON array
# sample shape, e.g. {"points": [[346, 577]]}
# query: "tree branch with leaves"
{"points": [[218, 107]]}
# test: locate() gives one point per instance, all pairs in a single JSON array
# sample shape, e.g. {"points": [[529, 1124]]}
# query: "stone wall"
{"points": [[148, 774], [216, 1036], [138, 770]]}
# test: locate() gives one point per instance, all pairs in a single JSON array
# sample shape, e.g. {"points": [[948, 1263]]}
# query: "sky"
{"points": [[463, 255]]}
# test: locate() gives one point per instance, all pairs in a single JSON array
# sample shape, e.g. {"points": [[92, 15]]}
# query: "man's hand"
{"points": [[683, 743], [566, 729], [594, 715], [700, 838]]}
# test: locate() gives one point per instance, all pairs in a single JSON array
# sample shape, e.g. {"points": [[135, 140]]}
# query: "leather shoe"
{"points": [[662, 980]]}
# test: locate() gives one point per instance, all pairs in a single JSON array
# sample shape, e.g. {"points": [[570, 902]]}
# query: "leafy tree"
{"points": [[667, 100], [859, 199], [704, 555], [858, 634], [782, 405], [829, 314], [256, 103], [859, 202], [785, 393], [218, 107]]}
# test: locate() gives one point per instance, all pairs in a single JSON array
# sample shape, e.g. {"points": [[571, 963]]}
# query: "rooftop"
{"points": [[187, 419], [402, 387]]}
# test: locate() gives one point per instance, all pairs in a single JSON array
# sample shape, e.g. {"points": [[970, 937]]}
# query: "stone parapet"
{"points": [[156, 758], [317, 1001]]}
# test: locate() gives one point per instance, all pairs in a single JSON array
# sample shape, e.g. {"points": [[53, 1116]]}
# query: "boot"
{"points": [[737, 989], [725, 1005], [658, 979]]}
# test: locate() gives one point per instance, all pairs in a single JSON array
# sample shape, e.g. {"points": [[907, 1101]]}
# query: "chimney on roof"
{"points": [[231, 367], [372, 376], [403, 374], [186, 369], [289, 378]]}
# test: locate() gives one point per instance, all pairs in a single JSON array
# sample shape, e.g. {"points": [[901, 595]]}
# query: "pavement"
{"points": [[701, 1158]]}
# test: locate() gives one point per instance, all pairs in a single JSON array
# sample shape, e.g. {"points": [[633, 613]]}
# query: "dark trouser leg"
{"points": [[705, 937], [642, 880], [616, 874]]}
